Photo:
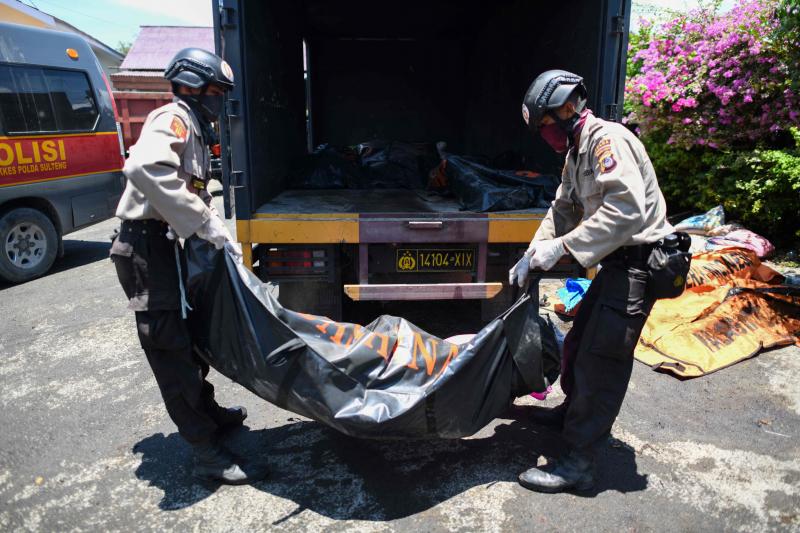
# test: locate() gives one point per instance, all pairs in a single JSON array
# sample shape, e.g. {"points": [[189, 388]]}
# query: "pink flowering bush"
{"points": [[716, 101], [716, 80]]}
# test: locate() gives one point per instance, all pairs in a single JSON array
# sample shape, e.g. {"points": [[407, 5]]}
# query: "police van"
{"points": [[61, 154]]}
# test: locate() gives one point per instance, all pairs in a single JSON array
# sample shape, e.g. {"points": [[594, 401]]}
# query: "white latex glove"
{"points": [[235, 249], [547, 253], [214, 231], [519, 272]]}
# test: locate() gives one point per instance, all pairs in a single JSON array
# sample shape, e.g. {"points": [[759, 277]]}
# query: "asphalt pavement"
{"points": [[86, 445]]}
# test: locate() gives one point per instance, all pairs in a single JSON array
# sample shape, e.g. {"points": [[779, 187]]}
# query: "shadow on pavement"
{"points": [[344, 478], [76, 254], [80, 253]]}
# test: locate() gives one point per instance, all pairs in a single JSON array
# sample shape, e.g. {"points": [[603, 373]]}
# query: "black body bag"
{"points": [[388, 379], [668, 265]]}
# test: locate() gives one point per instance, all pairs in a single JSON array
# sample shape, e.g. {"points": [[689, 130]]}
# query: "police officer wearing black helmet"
{"points": [[608, 210], [166, 198]]}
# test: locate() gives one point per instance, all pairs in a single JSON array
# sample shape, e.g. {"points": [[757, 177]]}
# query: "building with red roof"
{"points": [[139, 85]]}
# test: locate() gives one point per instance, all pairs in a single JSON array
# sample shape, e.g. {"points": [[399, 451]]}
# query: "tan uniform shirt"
{"points": [[169, 152], [608, 197]]}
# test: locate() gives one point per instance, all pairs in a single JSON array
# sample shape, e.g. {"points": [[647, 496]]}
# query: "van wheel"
{"points": [[28, 244]]}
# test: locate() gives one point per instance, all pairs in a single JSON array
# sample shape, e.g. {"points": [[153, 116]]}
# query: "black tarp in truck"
{"points": [[314, 72]]}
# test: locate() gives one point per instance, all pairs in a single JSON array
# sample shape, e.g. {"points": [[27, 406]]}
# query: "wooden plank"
{"points": [[423, 291], [150, 100]]}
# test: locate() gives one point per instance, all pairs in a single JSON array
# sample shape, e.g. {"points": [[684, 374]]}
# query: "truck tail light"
{"points": [[289, 258], [296, 262]]}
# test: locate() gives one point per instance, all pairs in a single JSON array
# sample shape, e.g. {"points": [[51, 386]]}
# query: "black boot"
{"points": [[213, 462], [549, 416], [228, 418], [574, 471]]}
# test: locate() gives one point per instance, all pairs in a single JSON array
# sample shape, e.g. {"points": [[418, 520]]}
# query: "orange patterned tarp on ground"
{"points": [[731, 310]]}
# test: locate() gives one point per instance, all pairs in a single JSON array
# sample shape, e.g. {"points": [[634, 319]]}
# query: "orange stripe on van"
{"points": [[35, 158]]}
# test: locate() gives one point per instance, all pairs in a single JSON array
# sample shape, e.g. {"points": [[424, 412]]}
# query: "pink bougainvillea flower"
{"points": [[722, 72]]}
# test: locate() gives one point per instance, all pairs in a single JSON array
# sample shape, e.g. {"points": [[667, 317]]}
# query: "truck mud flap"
{"points": [[373, 381]]}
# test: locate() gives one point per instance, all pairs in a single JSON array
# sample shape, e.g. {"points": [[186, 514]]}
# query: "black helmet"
{"points": [[550, 90], [195, 68]]}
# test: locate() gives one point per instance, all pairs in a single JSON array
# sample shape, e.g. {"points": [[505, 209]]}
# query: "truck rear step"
{"points": [[423, 291]]}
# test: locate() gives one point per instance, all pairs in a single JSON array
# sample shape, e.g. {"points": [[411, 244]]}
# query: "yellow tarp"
{"points": [[732, 309]]}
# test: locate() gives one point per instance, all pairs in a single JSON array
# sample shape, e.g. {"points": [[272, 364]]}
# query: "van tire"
{"points": [[33, 230]]}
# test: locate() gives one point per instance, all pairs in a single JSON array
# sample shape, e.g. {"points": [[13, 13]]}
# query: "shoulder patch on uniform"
{"points": [[602, 143], [178, 128], [604, 154]]}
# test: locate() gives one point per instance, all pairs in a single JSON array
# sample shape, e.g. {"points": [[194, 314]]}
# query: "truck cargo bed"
{"points": [[353, 201], [386, 215]]}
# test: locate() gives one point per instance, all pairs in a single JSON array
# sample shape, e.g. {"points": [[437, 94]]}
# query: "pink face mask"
{"points": [[555, 137]]}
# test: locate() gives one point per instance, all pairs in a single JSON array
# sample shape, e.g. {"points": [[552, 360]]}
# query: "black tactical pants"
{"points": [[147, 270], [598, 351]]}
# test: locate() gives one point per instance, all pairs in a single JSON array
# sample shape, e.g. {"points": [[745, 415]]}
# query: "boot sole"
{"points": [[585, 487]]}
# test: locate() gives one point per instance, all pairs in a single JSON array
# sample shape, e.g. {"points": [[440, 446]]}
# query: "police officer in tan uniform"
{"points": [[165, 198], [610, 211]]}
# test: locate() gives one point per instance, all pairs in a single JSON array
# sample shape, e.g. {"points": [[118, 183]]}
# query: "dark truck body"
{"points": [[313, 71]]}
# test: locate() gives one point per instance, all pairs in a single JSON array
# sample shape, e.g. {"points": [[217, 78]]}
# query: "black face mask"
{"points": [[207, 105], [568, 125], [207, 109]]}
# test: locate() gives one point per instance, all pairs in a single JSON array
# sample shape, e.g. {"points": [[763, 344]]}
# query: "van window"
{"points": [[27, 91], [11, 116], [72, 99], [38, 100]]}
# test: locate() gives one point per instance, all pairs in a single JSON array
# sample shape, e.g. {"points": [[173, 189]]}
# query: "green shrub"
{"points": [[716, 99], [759, 188]]}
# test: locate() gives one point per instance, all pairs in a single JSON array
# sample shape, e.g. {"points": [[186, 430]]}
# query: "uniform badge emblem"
{"points": [[605, 156], [607, 164], [178, 128]]}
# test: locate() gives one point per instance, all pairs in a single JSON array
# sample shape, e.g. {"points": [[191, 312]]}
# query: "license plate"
{"points": [[432, 260]]}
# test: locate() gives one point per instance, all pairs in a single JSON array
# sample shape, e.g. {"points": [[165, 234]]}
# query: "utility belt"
{"points": [[638, 253], [668, 261], [148, 226], [157, 229]]}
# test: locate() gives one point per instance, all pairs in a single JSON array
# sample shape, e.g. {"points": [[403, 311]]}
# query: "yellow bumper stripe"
{"points": [[513, 227]]}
